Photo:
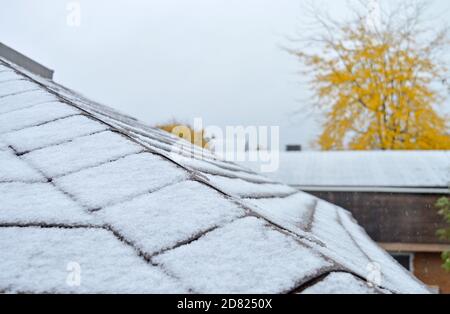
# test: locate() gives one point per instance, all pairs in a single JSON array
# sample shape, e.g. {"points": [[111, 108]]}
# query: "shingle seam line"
{"points": [[195, 237], [40, 124], [316, 279], [131, 198], [188, 169], [11, 80], [19, 93], [26, 152], [49, 180], [28, 107]]}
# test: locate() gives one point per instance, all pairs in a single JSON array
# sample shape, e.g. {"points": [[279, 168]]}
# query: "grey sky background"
{"points": [[162, 59]]}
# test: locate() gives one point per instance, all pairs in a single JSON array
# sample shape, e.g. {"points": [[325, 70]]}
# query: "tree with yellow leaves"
{"points": [[187, 132], [379, 80]]}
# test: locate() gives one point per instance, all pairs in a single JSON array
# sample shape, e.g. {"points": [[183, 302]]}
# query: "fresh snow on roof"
{"points": [[25, 100], [15, 86], [7, 75], [52, 133], [29, 203], [413, 169], [247, 189], [40, 260], [340, 283], [15, 169], [197, 209], [294, 212], [34, 115], [120, 180], [139, 210], [82, 152], [3, 145], [236, 251]]}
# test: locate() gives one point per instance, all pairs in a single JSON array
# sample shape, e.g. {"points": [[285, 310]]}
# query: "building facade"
{"points": [[405, 225], [392, 194]]}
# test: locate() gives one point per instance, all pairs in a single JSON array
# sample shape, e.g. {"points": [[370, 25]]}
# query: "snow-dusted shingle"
{"points": [[35, 115], [82, 152], [16, 86], [120, 180], [253, 258], [52, 133], [139, 210], [13, 168], [295, 211], [247, 189], [327, 227], [8, 75], [25, 100], [34, 203], [213, 169], [3, 145], [148, 220], [341, 283], [49, 260]]}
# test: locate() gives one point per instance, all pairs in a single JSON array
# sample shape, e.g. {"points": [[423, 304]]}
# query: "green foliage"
{"points": [[443, 205], [446, 259]]}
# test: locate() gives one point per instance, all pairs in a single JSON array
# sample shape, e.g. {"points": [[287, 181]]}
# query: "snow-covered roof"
{"points": [[359, 169], [138, 210]]}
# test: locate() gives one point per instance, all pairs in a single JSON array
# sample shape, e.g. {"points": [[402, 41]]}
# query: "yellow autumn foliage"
{"points": [[379, 86], [185, 131]]}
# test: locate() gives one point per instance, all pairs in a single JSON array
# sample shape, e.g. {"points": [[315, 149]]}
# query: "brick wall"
{"points": [[428, 269]]}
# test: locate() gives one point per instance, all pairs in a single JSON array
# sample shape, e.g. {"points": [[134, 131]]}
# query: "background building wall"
{"points": [[400, 218], [392, 217], [428, 268]]}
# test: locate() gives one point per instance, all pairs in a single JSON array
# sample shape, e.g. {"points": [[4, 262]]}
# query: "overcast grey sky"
{"points": [[162, 59]]}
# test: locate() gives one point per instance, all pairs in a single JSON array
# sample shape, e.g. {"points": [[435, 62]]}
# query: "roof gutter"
{"points": [[374, 189], [415, 247]]}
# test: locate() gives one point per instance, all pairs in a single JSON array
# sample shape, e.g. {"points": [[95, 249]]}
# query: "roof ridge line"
{"points": [[195, 175], [362, 250]]}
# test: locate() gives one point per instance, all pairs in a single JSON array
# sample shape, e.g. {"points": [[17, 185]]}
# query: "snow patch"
{"points": [[25, 100], [40, 260], [52, 133], [39, 203], [14, 169], [119, 180], [16, 86], [242, 188], [38, 114], [293, 212], [340, 283], [81, 153], [245, 256], [160, 220]]}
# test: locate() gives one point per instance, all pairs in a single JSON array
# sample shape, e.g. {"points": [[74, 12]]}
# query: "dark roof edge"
{"points": [[373, 189], [25, 62], [414, 247]]}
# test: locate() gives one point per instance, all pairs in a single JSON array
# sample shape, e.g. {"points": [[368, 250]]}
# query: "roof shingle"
{"points": [[141, 211]]}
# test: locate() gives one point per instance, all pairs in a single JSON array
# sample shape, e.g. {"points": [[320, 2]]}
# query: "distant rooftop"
{"points": [[365, 169]]}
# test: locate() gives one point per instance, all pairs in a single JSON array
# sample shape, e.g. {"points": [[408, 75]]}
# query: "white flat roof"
{"points": [[368, 169]]}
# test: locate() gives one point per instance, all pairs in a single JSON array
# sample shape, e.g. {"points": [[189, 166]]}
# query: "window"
{"points": [[404, 259]]}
